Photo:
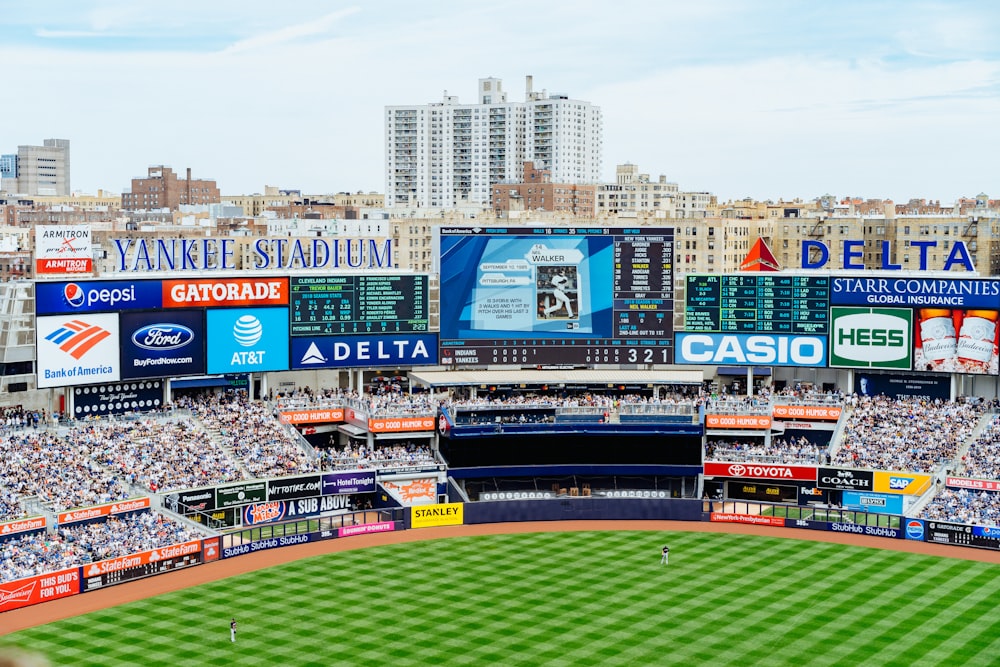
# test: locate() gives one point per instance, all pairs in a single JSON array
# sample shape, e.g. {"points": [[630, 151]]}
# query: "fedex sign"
{"points": [[750, 349]]}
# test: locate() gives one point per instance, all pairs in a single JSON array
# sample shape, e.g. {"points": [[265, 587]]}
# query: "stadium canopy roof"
{"points": [[554, 377]]}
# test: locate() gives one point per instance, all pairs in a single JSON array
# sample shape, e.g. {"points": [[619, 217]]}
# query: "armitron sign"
{"points": [[760, 471]]}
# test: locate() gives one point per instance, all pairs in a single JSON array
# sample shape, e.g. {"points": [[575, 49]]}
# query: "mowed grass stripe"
{"points": [[588, 598]]}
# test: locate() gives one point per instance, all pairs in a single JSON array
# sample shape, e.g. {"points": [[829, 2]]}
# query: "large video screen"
{"points": [[357, 304], [556, 295]]}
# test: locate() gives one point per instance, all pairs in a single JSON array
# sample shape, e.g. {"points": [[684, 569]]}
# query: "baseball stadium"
{"points": [[294, 453]]}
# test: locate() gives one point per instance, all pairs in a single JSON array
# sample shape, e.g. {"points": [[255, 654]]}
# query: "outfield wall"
{"points": [[587, 509]]}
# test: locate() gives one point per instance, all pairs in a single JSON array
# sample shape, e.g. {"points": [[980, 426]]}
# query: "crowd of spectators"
{"points": [[964, 506], [780, 450], [904, 434], [249, 428], [18, 417], [158, 454], [385, 457], [59, 471], [982, 461], [74, 545], [129, 534]]}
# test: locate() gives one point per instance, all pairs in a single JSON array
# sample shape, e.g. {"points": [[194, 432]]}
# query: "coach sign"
{"points": [[760, 471], [842, 478]]}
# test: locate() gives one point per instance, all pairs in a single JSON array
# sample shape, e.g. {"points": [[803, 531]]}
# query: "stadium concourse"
{"points": [[224, 437]]}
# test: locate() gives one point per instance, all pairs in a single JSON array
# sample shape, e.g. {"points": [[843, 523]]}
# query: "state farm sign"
{"points": [[760, 471]]}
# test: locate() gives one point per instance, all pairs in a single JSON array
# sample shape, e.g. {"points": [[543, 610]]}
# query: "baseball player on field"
{"points": [[666, 553]]}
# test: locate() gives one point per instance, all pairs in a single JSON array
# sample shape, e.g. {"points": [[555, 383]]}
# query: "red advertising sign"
{"points": [[225, 292], [311, 416], [970, 483], [64, 265], [760, 471], [401, 424], [755, 422], [73, 516], [210, 549], [22, 525], [142, 558], [817, 412], [755, 519], [44, 587]]}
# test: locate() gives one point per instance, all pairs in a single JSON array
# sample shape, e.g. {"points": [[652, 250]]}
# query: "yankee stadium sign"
{"points": [[220, 254]]}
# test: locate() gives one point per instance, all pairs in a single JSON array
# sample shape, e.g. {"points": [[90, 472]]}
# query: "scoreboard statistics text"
{"points": [[774, 303], [556, 296], [357, 304]]}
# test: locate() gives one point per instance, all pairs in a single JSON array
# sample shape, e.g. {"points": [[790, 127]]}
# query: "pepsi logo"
{"points": [[162, 336], [915, 529], [73, 295]]}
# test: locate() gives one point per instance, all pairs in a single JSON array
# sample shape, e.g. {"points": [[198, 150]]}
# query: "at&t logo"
{"points": [[247, 332]]}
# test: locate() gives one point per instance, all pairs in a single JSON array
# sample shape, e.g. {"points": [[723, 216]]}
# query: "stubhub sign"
{"points": [[750, 349], [364, 351]]}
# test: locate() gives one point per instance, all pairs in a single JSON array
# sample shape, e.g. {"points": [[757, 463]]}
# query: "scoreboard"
{"points": [[357, 304], [983, 537], [532, 296], [767, 302]]}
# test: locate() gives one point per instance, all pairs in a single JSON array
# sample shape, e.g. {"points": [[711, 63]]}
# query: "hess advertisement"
{"points": [[162, 344], [77, 350], [956, 341], [247, 340], [871, 337]]}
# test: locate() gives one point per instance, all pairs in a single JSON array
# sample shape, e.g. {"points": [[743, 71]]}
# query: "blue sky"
{"points": [[767, 98]]}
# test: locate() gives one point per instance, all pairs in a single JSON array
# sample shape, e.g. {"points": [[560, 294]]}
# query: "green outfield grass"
{"points": [[587, 598]]}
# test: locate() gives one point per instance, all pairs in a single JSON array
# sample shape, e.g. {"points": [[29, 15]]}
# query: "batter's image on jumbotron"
{"points": [[557, 288]]}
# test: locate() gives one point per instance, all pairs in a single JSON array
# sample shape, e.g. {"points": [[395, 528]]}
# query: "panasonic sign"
{"points": [[751, 349], [871, 337]]}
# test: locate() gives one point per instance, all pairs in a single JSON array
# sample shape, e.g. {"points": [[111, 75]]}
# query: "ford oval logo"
{"points": [[162, 336]]}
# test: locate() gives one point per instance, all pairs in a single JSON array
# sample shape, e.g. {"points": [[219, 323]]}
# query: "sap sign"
{"points": [[389, 350], [871, 337], [93, 296], [751, 349], [852, 255], [247, 340], [163, 344]]}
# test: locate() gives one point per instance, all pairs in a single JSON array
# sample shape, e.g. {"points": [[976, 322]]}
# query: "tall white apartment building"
{"points": [[446, 154]]}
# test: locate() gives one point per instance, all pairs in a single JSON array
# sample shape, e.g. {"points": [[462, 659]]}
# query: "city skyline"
{"points": [[743, 99]]}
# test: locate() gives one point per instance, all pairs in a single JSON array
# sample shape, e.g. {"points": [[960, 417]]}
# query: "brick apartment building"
{"points": [[536, 192], [163, 189]]}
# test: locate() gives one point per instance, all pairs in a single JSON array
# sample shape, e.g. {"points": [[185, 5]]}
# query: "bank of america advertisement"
{"points": [[77, 350], [166, 343], [871, 337], [247, 340]]}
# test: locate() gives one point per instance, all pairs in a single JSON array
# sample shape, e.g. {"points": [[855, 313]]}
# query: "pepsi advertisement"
{"points": [[168, 343], [389, 350], [247, 340], [95, 296]]}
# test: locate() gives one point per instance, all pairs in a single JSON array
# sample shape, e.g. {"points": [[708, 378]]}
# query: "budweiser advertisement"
{"points": [[748, 422], [98, 511], [44, 587], [808, 412], [760, 471]]}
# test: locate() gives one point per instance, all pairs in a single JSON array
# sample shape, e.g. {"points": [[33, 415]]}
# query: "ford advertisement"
{"points": [[163, 344]]}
